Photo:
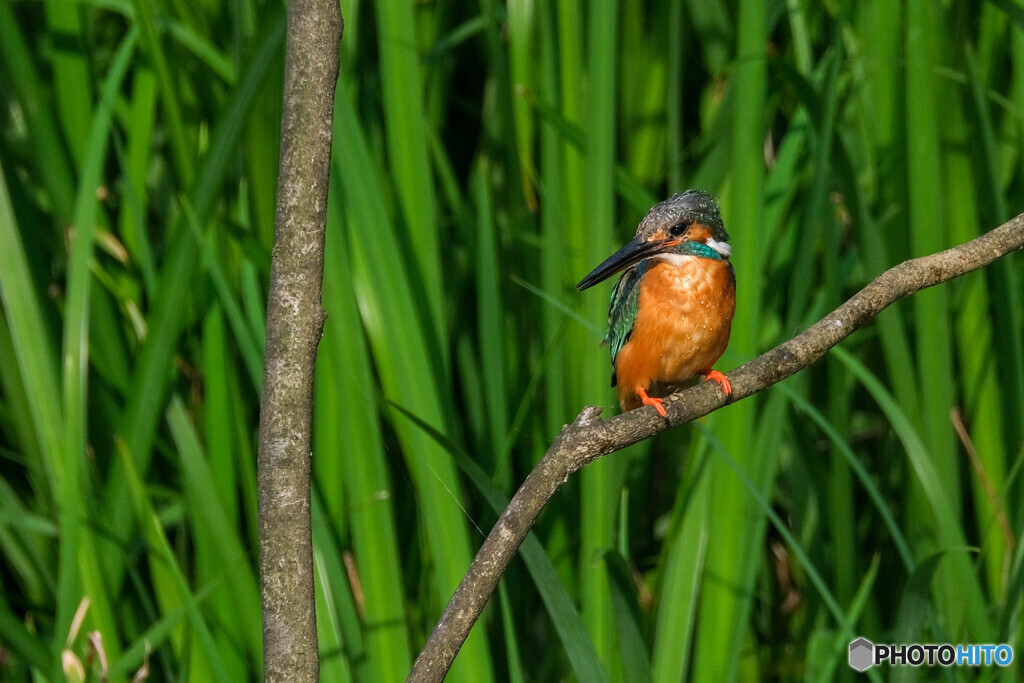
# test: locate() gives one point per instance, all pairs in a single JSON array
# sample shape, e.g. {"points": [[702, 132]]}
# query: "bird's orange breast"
{"points": [[684, 317]]}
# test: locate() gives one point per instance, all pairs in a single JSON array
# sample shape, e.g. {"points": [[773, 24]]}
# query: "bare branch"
{"points": [[294, 326], [589, 437]]}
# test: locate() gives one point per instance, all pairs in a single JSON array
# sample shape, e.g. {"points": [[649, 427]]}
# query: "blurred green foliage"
{"points": [[486, 156]]}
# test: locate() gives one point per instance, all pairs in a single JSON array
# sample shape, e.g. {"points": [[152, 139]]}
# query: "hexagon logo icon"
{"points": [[862, 654]]}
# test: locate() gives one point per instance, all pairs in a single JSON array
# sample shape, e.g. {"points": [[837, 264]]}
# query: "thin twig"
{"points": [[589, 437], [986, 482]]}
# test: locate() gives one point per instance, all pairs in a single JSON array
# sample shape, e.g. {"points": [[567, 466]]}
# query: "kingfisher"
{"points": [[671, 312]]}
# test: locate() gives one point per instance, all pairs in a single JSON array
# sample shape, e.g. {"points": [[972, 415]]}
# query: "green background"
{"points": [[486, 157]]}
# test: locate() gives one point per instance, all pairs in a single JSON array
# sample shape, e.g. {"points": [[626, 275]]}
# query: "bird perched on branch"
{"points": [[671, 312]]}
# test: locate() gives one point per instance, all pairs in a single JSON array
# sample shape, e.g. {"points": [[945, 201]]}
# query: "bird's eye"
{"points": [[678, 229]]}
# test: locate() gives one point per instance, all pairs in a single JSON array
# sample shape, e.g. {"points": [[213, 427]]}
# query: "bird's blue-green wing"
{"points": [[622, 309]]}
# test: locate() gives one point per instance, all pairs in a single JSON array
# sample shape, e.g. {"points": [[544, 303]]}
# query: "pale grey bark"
{"points": [[294, 325]]}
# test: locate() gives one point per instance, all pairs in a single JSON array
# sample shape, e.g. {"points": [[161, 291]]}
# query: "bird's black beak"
{"points": [[634, 252]]}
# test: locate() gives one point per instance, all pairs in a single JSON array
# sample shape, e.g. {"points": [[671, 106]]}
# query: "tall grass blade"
{"points": [[387, 303], [352, 467], [600, 482]]}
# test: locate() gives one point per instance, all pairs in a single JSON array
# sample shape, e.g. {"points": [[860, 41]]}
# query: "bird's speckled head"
{"points": [[688, 224], [689, 216]]}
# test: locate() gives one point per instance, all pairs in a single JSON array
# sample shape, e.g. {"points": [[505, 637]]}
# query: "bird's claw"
{"points": [[656, 403], [722, 380]]}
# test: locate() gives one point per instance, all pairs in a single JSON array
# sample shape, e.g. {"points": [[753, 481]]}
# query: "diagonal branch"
{"points": [[589, 437]]}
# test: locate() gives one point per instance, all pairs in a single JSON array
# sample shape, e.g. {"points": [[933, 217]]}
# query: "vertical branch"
{"points": [[294, 325]]}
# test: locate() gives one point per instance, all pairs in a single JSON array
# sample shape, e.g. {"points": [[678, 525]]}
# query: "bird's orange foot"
{"points": [[716, 376], [658, 404]]}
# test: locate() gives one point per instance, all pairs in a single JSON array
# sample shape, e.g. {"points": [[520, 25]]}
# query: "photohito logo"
{"points": [[864, 654]]}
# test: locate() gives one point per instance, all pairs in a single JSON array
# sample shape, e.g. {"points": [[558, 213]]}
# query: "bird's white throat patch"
{"points": [[677, 260], [722, 248]]}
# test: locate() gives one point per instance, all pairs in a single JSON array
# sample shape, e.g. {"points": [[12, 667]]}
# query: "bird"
{"points": [[670, 314]]}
